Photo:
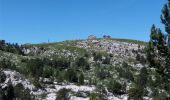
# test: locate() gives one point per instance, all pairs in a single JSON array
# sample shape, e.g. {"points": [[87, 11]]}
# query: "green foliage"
{"points": [[54, 67], [97, 56], [6, 63], [115, 87], [60, 75], [35, 67], [13, 48], [81, 94], [60, 46], [106, 60], [60, 63], [71, 75], [93, 96], [47, 71], [55, 72], [101, 89], [157, 37], [165, 17], [21, 93], [161, 96], [158, 53], [135, 93], [125, 72], [36, 82], [141, 59], [142, 78], [125, 65], [159, 43], [155, 92], [81, 79], [63, 94], [82, 62], [101, 74], [131, 41]]}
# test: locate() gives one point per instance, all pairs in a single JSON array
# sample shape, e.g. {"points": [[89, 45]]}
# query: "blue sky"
{"points": [[36, 21]]}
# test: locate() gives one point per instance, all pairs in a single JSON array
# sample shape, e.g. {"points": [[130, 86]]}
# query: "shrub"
{"points": [[6, 63], [93, 96], [37, 83], [106, 60], [142, 78], [81, 79], [35, 67], [135, 93], [60, 63], [115, 87], [97, 56], [63, 94], [47, 71], [82, 62], [21, 93], [71, 75], [101, 74]]}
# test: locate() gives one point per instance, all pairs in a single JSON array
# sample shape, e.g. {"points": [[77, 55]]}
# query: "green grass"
{"points": [[60, 46], [127, 40], [73, 43], [67, 47], [131, 41], [67, 42]]}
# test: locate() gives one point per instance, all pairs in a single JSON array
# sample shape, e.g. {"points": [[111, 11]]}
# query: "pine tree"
{"points": [[165, 17], [158, 49], [153, 35]]}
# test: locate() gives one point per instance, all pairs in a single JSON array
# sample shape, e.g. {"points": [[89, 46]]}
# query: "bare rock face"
{"points": [[112, 46], [14, 78], [33, 50]]}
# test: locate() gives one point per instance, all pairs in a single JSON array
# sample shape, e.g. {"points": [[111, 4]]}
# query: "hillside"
{"points": [[92, 69]]}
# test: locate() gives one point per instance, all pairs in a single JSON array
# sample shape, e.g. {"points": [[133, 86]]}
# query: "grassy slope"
{"points": [[70, 43], [128, 41]]}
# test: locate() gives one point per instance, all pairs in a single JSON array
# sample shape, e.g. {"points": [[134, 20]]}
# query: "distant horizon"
{"points": [[37, 21], [48, 41]]}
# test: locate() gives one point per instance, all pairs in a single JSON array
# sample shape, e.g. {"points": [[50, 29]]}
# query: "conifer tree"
{"points": [[165, 17], [158, 50]]}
